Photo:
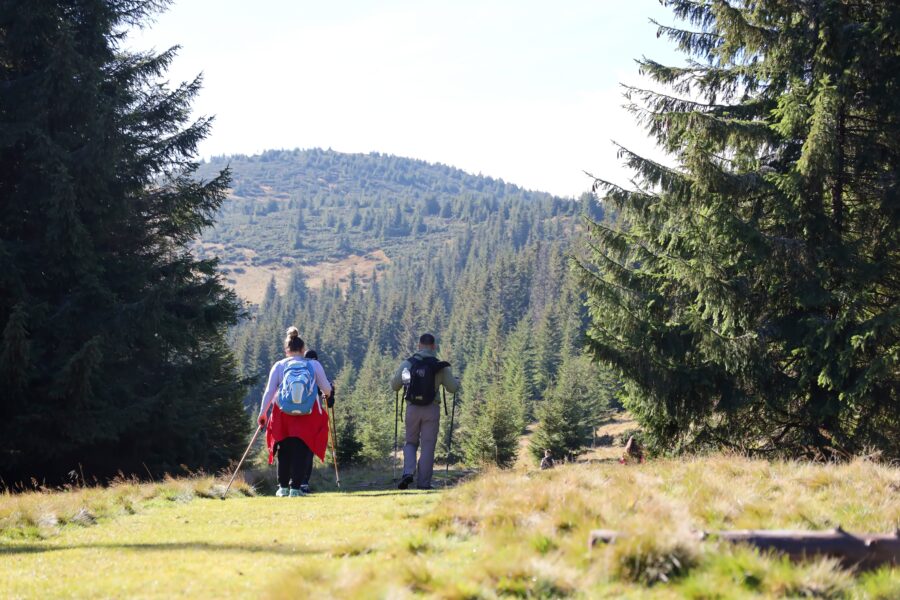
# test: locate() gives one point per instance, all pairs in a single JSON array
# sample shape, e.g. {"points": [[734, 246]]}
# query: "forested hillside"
{"points": [[328, 213], [481, 263]]}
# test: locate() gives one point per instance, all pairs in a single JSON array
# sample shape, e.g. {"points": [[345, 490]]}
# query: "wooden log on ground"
{"points": [[863, 551]]}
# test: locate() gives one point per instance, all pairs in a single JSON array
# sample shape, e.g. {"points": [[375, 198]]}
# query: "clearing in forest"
{"points": [[250, 279]]}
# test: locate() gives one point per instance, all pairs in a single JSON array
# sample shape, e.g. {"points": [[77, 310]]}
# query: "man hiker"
{"points": [[422, 375]]}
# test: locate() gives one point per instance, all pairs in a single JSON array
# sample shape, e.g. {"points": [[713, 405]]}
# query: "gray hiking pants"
{"points": [[422, 425]]}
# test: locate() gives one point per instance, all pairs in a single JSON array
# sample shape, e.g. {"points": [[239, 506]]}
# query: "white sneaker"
{"points": [[282, 492], [297, 493]]}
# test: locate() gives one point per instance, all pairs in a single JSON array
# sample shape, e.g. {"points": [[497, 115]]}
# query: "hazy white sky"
{"points": [[527, 91]]}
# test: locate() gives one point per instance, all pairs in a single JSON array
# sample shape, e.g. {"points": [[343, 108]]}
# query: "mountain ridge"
{"points": [[216, 161]]}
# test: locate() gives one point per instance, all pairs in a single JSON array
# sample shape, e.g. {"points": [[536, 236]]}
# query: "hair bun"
{"points": [[293, 332]]}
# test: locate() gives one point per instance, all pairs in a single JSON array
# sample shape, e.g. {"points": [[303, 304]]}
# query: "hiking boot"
{"points": [[405, 482], [297, 493], [282, 492], [305, 489], [424, 487]]}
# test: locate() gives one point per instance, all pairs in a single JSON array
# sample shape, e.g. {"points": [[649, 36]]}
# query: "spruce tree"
{"points": [[112, 330], [491, 421], [493, 434], [374, 402], [270, 295], [570, 414], [347, 417], [749, 294], [548, 341], [518, 371]]}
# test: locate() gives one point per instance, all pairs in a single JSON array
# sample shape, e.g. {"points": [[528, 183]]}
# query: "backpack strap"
{"points": [[419, 358]]}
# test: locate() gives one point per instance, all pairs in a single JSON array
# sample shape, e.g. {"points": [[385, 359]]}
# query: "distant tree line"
{"points": [[330, 205]]}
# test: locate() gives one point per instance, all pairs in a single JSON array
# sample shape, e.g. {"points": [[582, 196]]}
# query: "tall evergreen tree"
{"points": [[375, 404], [570, 414], [270, 295], [346, 418], [518, 371], [548, 341], [750, 294], [112, 329], [492, 437], [491, 420]]}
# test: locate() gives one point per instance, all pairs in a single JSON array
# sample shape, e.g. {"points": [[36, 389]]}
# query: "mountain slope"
{"points": [[330, 214]]}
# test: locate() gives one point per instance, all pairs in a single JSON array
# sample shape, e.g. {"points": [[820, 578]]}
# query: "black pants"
{"points": [[295, 461]]}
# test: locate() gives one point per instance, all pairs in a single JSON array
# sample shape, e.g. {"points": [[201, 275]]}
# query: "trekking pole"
{"points": [[450, 435], [337, 476], [396, 417], [446, 414], [246, 452]]}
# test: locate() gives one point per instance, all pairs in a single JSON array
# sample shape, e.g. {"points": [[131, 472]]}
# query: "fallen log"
{"points": [[863, 551]]}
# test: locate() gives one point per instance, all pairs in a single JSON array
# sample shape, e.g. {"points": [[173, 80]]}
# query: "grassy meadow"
{"points": [[518, 533]]}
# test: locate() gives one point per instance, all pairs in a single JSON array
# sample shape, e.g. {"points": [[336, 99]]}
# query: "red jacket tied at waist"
{"points": [[311, 428]]}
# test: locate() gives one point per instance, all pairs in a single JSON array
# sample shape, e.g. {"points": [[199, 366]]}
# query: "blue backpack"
{"points": [[299, 392]]}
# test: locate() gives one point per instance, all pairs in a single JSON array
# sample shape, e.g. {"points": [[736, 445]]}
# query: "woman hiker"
{"points": [[294, 438]]}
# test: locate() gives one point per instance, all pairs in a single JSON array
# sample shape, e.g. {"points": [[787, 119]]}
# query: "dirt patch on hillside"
{"points": [[250, 281], [339, 271]]}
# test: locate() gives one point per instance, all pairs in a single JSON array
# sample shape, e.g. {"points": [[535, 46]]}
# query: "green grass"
{"points": [[503, 534]]}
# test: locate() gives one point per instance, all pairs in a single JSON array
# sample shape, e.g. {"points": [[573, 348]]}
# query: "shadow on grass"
{"points": [[162, 547], [361, 480], [597, 461], [383, 493]]}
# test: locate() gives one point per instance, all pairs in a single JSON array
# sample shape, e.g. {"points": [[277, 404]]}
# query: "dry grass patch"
{"points": [[42, 513], [661, 506], [339, 271], [250, 281]]}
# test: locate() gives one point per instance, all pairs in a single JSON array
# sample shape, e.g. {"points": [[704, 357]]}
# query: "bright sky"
{"points": [[524, 90]]}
